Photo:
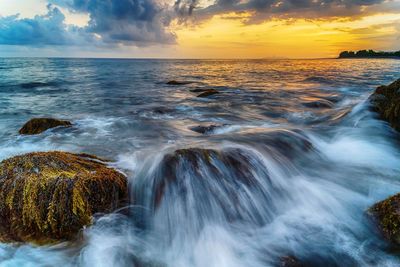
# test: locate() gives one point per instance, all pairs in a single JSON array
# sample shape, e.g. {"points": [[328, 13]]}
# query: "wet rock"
{"points": [[386, 215], [47, 197], [162, 110], [39, 125], [204, 129], [208, 92], [386, 102], [323, 103], [206, 166], [198, 90], [174, 82], [289, 143], [290, 261]]}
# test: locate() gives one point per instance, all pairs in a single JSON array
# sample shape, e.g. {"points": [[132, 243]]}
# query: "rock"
{"points": [[47, 197], [386, 215], [173, 82], [203, 166], [323, 103], [198, 90], [290, 261], [208, 92], [204, 129], [386, 102], [39, 125]]}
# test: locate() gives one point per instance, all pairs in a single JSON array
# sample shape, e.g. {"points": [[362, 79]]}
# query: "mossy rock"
{"points": [[386, 215], [208, 93], [386, 102], [39, 125], [47, 197]]}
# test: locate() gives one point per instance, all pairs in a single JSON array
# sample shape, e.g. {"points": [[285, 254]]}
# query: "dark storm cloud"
{"points": [[124, 21], [184, 7]]}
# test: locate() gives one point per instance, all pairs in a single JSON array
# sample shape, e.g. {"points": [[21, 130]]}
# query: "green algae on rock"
{"points": [[48, 197], [386, 101], [386, 214], [39, 125]]}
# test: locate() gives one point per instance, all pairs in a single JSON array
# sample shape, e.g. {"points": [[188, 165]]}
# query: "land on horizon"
{"points": [[369, 54]]}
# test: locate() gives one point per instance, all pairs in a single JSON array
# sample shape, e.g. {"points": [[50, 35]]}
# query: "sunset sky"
{"points": [[197, 28]]}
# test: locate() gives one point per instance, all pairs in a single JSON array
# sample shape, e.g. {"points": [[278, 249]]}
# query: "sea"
{"points": [[303, 130]]}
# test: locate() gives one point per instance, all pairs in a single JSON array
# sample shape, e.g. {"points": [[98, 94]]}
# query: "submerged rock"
{"points": [[174, 82], [290, 261], [386, 102], [208, 92], [386, 215], [204, 129], [323, 103], [198, 90], [49, 196], [39, 125]]}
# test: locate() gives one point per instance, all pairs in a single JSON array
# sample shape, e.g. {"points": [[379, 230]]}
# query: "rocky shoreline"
{"points": [[49, 197]]}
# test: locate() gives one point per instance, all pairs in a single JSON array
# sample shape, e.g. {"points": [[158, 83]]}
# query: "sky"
{"points": [[197, 28]]}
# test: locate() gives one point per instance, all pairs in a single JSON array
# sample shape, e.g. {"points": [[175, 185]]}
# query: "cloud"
{"points": [[146, 22], [112, 22], [262, 10], [124, 21], [42, 30]]}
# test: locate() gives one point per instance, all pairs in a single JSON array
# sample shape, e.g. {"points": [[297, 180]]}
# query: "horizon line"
{"points": [[165, 58]]}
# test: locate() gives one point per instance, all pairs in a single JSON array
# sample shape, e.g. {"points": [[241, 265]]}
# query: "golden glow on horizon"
{"points": [[228, 36]]}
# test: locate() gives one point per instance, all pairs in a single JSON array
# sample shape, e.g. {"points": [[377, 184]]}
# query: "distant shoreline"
{"points": [[369, 54]]}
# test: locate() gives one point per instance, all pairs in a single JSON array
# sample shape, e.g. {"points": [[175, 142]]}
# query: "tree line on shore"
{"points": [[369, 54]]}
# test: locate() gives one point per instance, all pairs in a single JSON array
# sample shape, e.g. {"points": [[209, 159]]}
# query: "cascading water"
{"points": [[294, 161]]}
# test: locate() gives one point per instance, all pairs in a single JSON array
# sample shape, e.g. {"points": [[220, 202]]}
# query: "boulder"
{"points": [[203, 166], [208, 92], [386, 215], [47, 197], [39, 125], [386, 102]]}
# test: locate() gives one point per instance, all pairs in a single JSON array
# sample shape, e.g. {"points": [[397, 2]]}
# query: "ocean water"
{"points": [[317, 158]]}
